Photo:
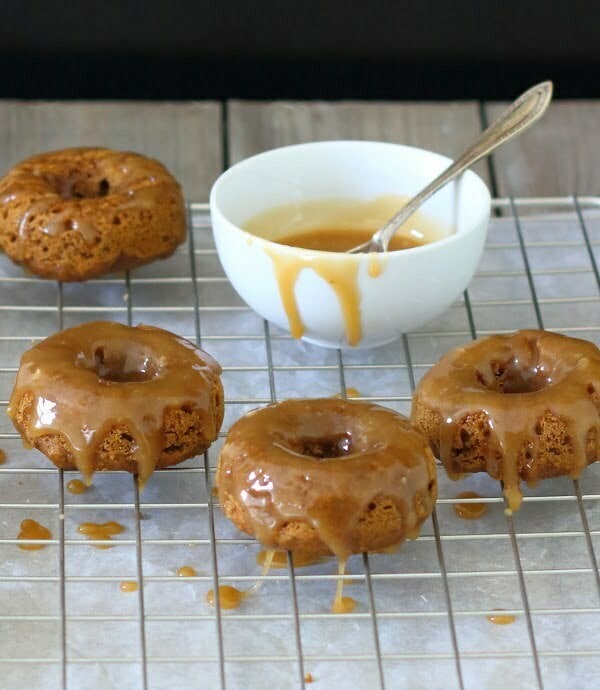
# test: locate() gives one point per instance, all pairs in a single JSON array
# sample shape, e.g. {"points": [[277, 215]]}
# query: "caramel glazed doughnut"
{"points": [[104, 396], [83, 212], [326, 476], [519, 407]]}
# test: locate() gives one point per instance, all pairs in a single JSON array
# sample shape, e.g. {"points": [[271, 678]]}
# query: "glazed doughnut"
{"points": [[519, 407], [326, 476], [104, 396], [83, 212]]}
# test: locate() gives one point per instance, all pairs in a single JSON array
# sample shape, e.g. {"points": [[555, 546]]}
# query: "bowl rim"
{"points": [[318, 253]]}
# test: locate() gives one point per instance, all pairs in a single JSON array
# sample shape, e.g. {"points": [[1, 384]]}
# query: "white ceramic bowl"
{"points": [[416, 284]]}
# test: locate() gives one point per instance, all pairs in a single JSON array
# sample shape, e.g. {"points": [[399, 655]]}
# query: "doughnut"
{"points": [[104, 396], [79, 213], [326, 476], [522, 406]]}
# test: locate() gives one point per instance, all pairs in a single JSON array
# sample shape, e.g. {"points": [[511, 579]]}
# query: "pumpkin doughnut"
{"points": [[79, 213], [326, 476], [104, 396], [523, 406]]}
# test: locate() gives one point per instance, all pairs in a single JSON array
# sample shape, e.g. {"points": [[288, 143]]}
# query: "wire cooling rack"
{"points": [[421, 619]]}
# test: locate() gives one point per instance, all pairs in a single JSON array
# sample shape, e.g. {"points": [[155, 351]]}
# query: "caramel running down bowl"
{"points": [[335, 299]]}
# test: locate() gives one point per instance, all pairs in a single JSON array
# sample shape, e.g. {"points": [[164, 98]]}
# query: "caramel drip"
{"points": [[323, 462], [215, 491], [469, 511], [104, 531], [186, 571], [2, 457], [69, 188], [279, 559], [342, 277], [30, 529], [128, 586], [501, 618], [350, 393], [90, 379], [231, 597], [342, 604], [76, 486], [514, 380], [308, 678], [375, 265]]}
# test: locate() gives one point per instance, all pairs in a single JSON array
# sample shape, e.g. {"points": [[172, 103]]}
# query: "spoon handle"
{"points": [[526, 110]]}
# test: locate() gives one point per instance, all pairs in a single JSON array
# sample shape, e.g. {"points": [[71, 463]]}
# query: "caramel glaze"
{"points": [[91, 378], [128, 586], [76, 486], [322, 226], [350, 393], [279, 559], [470, 510], [136, 181], [103, 531], [514, 379], [186, 571], [342, 278], [231, 597], [30, 529], [2, 457], [342, 604], [499, 618], [322, 462]]}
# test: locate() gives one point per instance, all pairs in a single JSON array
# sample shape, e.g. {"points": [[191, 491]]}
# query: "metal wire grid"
{"points": [[394, 667]]}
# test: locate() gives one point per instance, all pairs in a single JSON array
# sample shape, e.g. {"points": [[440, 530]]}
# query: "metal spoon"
{"points": [[526, 110]]}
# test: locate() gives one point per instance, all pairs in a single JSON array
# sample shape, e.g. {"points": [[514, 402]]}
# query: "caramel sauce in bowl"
{"points": [[289, 214]]}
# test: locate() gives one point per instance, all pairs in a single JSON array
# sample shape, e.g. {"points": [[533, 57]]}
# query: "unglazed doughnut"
{"points": [[326, 476], [104, 396], [520, 407], [79, 213]]}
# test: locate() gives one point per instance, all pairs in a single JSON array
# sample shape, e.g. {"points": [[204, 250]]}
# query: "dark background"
{"points": [[297, 49]]}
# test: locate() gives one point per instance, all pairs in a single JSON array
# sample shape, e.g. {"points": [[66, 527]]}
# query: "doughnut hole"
{"points": [[510, 376], [86, 183], [334, 436], [120, 365], [334, 446]]}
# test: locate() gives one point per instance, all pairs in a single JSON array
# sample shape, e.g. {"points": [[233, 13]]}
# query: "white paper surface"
{"points": [[103, 625]]}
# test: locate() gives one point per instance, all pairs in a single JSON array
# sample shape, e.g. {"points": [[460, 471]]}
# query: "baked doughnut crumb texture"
{"points": [[104, 396], [326, 476], [522, 407], [80, 213]]}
